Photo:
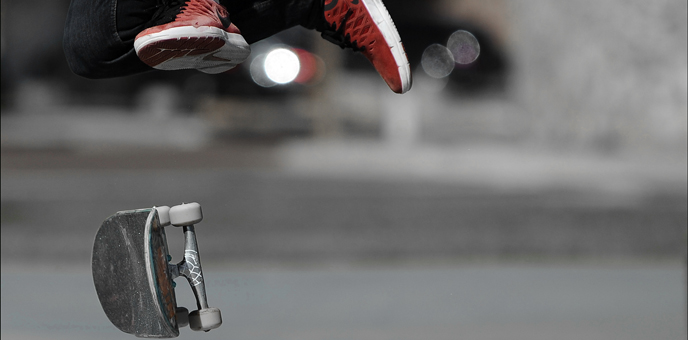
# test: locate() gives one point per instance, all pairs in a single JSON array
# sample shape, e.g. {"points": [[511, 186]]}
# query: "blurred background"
{"points": [[538, 192]]}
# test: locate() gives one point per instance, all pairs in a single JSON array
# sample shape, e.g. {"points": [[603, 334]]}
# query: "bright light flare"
{"points": [[282, 65]]}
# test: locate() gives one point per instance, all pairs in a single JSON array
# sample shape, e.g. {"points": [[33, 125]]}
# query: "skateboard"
{"points": [[134, 278]]}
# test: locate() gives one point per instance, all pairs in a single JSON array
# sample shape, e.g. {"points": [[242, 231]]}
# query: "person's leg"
{"points": [[94, 46], [99, 35], [362, 25], [260, 19]]}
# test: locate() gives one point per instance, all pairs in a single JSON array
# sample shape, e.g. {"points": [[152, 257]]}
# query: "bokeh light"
{"points": [[258, 74], [464, 47], [282, 65], [312, 68], [437, 61]]}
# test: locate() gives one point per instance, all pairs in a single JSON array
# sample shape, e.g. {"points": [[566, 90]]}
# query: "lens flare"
{"points": [[282, 65], [464, 47], [437, 61], [257, 70], [312, 68]]}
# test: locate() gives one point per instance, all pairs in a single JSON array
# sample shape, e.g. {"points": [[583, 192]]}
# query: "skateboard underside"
{"points": [[131, 274]]}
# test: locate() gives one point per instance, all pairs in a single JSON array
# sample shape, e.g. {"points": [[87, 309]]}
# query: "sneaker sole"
{"points": [[208, 49], [384, 22]]}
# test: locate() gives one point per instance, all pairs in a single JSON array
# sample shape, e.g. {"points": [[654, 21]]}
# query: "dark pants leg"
{"points": [[99, 34], [259, 19], [92, 45]]}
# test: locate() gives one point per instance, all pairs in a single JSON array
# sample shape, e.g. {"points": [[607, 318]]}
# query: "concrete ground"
{"points": [[362, 241], [422, 301]]}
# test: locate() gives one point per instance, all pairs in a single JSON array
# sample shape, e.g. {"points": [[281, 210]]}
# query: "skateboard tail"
{"points": [[131, 277]]}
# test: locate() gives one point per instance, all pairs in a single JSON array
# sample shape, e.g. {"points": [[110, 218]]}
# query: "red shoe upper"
{"points": [[198, 13], [360, 32]]}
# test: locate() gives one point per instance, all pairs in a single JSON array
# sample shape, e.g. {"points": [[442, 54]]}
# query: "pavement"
{"points": [[342, 239], [422, 301]]}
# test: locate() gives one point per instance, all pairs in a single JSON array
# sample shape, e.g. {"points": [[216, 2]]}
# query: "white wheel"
{"points": [[182, 317], [205, 319], [186, 214], [163, 215]]}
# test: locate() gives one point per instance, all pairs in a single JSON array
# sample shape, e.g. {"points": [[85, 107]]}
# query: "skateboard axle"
{"points": [[190, 267], [186, 215]]}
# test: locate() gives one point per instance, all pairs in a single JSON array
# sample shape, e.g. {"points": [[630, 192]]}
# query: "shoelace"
{"points": [[336, 34]]}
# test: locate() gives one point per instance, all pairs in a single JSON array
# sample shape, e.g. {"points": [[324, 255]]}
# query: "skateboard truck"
{"points": [[185, 216], [133, 275]]}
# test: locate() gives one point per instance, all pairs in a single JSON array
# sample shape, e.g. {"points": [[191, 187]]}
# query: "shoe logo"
{"points": [[224, 19], [331, 5], [211, 57]]}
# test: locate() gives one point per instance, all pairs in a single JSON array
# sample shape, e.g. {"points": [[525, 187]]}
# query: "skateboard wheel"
{"points": [[186, 214], [163, 215], [182, 317], [205, 319]]}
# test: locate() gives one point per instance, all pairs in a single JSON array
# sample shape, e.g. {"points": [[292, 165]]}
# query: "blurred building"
{"points": [[607, 76]]}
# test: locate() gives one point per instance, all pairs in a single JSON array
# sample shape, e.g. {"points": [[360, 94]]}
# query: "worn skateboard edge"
{"points": [[165, 296]]}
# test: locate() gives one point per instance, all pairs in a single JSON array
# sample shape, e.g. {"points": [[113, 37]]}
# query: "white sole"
{"points": [[234, 51], [384, 22]]}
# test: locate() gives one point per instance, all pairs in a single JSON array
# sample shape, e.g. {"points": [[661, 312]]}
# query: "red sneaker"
{"points": [[192, 34], [365, 26]]}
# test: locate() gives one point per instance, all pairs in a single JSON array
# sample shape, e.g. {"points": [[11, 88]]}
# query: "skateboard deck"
{"points": [[132, 276]]}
